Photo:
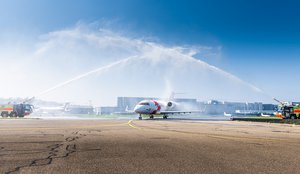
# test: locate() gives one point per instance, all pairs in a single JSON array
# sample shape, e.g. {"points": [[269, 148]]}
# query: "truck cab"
{"points": [[22, 110]]}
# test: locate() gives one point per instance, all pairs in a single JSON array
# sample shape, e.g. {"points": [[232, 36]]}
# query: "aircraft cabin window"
{"points": [[144, 103]]}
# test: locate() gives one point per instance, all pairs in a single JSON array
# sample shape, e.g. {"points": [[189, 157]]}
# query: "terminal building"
{"points": [[211, 107], [217, 107], [80, 109], [128, 103]]}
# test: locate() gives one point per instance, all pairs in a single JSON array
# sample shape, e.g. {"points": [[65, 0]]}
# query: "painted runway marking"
{"points": [[131, 125], [211, 135]]}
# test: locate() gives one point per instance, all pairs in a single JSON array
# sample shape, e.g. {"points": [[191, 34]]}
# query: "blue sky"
{"points": [[260, 40]]}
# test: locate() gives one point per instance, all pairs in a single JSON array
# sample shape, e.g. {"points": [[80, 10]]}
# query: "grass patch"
{"points": [[268, 120]]}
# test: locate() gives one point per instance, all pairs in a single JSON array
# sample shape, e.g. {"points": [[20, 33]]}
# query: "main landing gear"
{"points": [[152, 117]]}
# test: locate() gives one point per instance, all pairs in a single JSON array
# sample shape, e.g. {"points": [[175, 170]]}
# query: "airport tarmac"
{"points": [[147, 146]]}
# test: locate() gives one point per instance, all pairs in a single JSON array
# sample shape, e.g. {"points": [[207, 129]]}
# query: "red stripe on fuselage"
{"points": [[157, 105]]}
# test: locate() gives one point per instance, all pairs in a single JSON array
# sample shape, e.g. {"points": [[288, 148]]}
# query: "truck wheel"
{"points": [[287, 116], [4, 114], [292, 117], [13, 114]]}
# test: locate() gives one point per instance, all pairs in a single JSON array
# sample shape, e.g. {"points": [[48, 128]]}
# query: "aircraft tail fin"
{"points": [[66, 106], [127, 110]]}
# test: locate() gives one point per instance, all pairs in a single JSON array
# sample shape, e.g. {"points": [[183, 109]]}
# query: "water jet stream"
{"points": [[136, 58], [98, 70]]}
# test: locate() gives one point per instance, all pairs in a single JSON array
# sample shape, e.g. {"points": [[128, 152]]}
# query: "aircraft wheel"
{"points": [[151, 117], [140, 117], [165, 117]]}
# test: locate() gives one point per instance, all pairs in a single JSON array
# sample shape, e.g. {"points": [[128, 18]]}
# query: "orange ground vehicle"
{"points": [[15, 110], [288, 110]]}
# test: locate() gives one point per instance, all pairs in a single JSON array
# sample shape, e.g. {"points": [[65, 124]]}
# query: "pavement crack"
{"points": [[53, 152], [70, 149]]}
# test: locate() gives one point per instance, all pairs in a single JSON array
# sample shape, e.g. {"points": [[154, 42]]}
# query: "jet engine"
{"points": [[171, 105]]}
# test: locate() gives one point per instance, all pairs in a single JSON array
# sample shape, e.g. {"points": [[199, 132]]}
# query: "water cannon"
{"points": [[281, 102], [278, 100], [29, 100]]}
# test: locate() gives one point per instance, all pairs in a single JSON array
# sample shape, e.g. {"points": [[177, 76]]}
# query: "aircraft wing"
{"points": [[179, 112]]}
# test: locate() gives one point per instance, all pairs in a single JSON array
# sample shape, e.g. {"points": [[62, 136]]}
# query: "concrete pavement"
{"points": [[147, 146]]}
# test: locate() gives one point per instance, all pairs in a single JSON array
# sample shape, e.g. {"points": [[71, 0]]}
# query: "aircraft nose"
{"points": [[137, 109]]}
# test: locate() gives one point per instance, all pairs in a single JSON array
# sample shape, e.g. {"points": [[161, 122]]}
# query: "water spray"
{"points": [[98, 70], [148, 57]]}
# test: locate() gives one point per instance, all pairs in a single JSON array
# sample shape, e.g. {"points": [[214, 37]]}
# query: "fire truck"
{"points": [[288, 110], [15, 110]]}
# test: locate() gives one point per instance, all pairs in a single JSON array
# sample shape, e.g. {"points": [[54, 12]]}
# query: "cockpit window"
{"points": [[144, 103], [28, 108]]}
